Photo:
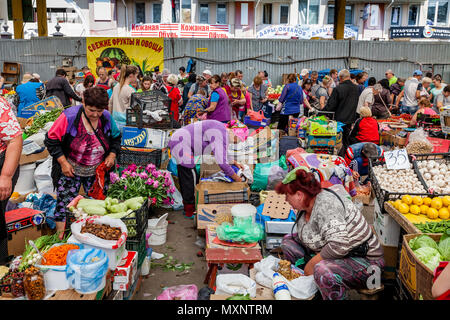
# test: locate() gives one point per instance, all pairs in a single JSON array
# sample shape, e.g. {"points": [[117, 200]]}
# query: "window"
{"points": [[348, 14], [413, 15], [308, 11], [221, 13], [204, 13], [140, 12], [176, 12], [244, 14], [157, 13], [102, 10], [27, 10], [395, 16], [284, 14], [437, 12], [267, 13], [186, 11]]}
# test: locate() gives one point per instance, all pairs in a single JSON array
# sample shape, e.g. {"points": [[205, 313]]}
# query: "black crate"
{"points": [[140, 158], [383, 195], [240, 196], [135, 118], [138, 245], [429, 156], [139, 222]]}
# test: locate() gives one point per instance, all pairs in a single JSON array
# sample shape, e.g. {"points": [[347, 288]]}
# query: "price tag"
{"points": [[397, 159]]}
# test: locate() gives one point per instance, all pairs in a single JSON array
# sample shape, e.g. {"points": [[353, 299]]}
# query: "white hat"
{"points": [[36, 76], [207, 72], [304, 72]]}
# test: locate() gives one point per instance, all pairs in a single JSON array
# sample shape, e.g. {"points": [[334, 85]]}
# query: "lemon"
{"points": [[424, 209], [407, 199], [443, 213], [417, 200], [446, 201], [436, 203], [414, 209], [403, 208], [432, 213], [427, 201], [397, 203]]}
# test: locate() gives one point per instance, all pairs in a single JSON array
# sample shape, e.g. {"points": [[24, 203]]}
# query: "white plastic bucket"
{"points": [[25, 182], [158, 234], [244, 211]]}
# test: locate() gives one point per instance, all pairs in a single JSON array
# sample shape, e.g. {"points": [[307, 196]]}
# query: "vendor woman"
{"points": [[334, 242], [79, 141], [10, 150], [357, 157], [197, 139]]}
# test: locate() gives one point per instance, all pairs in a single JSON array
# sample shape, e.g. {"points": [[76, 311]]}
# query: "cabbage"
{"points": [[429, 256], [421, 242], [444, 249]]}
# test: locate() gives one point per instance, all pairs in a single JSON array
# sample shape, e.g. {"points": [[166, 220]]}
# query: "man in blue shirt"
{"points": [[27, 92]]}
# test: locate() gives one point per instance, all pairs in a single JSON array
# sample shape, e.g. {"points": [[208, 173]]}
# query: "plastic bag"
{"points": [[242, 232], [93, 240], [302, 287], [235, 283], [276, 175], [262, 171], [177, 198], [86, 270], [418, 143], [98, 186], [42, 202], [42, 176], [205, 293], [182, 292]]}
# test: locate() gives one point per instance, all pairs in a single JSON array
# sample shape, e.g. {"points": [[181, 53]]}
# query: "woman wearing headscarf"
{"points": [[196, 104], [159, 85]]}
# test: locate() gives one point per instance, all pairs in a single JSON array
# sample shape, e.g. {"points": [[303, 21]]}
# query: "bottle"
{"points": [[280, 288]]}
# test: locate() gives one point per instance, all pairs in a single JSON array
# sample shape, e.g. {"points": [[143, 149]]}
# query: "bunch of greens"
{"points": [[239, 296], [433, 227], [40, 121], [145, 182], [168, 263], [429, 252]]}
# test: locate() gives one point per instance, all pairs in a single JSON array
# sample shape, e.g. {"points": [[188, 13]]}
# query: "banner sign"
{"points": [[426, 32], [181, 30], [303, 32], [147, 53]]}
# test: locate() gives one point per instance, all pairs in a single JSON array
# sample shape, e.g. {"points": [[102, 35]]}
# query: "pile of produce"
{"points": [[30, 256], [433, 208], [436, 174], [286, 270], [433, 227], [147, 182], [429, 252], [398, 181], [34, 283], [111, 208], [102, 231], [40, 121], [56, 256]]}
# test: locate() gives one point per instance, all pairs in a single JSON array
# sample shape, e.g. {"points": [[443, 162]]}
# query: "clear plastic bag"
{"points": [[276, 175], [418, 142]]}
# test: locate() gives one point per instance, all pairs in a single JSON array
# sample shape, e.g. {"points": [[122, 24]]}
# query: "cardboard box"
{"points": [[390, 262], [234, 192], [31, 158], [129, 294], [321, 141], [22, 122], [207, 213], [21, 224], [126, 272], [387, 229], [144, 138], [46, 104], [318, 129]]}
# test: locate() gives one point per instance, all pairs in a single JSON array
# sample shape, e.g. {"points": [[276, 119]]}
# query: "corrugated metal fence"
{"points": [[44, 55]]}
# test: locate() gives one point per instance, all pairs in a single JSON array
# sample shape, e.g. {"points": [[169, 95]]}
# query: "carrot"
{"points": [[56, 256]]}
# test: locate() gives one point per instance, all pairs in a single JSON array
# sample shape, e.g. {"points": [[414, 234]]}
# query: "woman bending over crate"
{"points": [[197, 139], [81, 139]]}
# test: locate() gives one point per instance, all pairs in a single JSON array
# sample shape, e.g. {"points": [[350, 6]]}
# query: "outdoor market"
{"points": [[125, 183]]}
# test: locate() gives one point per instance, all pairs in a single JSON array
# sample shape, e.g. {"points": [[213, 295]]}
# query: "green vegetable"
{"points": [[421, 242], [429, 256], [89, 202], [444, 246], [238, 296], [121, 207], [120, 215], [42, 120], [433, 227], [135, 203], [94, 210]]}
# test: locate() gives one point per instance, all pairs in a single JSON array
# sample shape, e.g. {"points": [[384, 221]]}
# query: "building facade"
{"points": [[243, 18]]}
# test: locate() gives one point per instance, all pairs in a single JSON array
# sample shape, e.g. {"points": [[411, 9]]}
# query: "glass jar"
{"points": [[34, 283], [17, 288]]}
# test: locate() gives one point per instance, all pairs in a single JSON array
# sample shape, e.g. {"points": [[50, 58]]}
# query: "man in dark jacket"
{"points": [[343, 102], [59, 86]]}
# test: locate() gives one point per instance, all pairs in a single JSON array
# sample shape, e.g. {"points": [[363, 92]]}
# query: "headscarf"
{"points": [[159, 82]]}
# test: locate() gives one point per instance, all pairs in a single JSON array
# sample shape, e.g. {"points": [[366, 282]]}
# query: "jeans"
{"points": [[409, 109], [241, 115]]}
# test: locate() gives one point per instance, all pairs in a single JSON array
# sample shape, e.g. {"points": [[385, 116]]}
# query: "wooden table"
{"points": [[216, 256]]}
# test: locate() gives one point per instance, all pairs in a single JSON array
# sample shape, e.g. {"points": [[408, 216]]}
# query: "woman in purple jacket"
{"points": [[193, 140], [218, 105]]}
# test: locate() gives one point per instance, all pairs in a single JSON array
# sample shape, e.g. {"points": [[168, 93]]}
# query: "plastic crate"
{"points": [[149, 101], [227, 197], [383, 195], [138, 245], [139, 221], [256, 124], [127, 157]]}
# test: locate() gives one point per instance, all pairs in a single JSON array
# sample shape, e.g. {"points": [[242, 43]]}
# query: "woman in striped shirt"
{"points": [[334, 242]]}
